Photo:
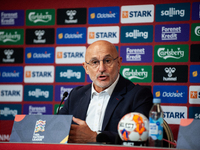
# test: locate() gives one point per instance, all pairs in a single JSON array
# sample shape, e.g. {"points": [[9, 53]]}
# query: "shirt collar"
{"points": [[109, 90]]}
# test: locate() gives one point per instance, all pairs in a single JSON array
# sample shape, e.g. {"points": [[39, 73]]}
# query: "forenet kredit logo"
{"points": [[137, 13]]}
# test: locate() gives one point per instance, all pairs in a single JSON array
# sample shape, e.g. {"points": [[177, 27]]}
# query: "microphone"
{"points": [[64, 96]]}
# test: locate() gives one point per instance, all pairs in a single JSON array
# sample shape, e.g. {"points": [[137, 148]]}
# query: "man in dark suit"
{"points": [[98, 107]]}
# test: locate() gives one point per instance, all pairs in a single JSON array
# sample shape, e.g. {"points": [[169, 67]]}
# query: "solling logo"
{"points": [[171, 33], [70, 74], [171, 53], [194, 112], [136, 34], [38, 93], [110, 34], [40, 17], [71, 35], [171, 94], [12, 18], [103, 15], [194, 97], [70, 55], [39, 55], [38, 74], [173, 114], [172, 12], [137, 73], [137, 13], [8, 111], [11, 37], [195, 73], [11, 93], [136, 53]]}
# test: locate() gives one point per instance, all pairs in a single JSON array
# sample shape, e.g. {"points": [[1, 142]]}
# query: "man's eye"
{"points": [[107, 60], [95, 62]]}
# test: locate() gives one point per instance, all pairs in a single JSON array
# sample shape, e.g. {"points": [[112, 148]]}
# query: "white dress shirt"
{"points": [[97, 107]]}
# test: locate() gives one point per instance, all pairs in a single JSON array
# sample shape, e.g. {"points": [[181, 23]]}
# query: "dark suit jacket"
{"points": [[126, 97]]}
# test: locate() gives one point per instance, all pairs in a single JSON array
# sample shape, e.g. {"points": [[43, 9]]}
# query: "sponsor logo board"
{"points": [[194, 94], [39, 74], [39, 55], [38, 93], [12, 18], [11, 55], [194, 53], [71, 35], [11, 74], [174, 114], [195, 73], [194, 112], [40, 36], [108, 33], [172, 33], [137, 13], [136, 34], [11, 93], [70, 55], [172, 12], [11, 36], [70, 74], [103, 15], [171, 94], [8, 111], [36, 17], [172, 73], [171, 53], [71, 16], [37, 109], [195, 32], [61, 89], [137, 73], [136, 54], [196, 11]]}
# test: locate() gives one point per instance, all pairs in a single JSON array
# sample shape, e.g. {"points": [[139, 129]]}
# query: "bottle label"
{"points": [[156, 128]]}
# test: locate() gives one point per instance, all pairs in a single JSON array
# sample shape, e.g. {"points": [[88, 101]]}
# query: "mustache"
{"points": [[102, 73]]}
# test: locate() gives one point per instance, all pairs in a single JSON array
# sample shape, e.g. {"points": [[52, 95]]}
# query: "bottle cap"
{"points": [[156, 100]]}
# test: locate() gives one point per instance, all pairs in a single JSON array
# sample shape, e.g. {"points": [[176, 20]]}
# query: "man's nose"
{"points": [[102, 66]]}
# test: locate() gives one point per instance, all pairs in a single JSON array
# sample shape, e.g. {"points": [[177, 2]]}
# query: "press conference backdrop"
{"points": [[43, 44]]}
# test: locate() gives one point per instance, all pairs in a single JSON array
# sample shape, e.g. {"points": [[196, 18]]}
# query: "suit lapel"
{"points": [[83, 105], [115, 98]]}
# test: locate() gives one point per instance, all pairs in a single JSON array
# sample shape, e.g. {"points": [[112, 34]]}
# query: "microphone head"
{"points": [[65, 94]]}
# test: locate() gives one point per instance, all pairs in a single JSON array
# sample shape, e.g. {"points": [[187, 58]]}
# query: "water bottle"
{"points": [[156, 124]]}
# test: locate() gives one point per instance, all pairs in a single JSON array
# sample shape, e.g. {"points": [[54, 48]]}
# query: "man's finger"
{"points": [[78, 121]]}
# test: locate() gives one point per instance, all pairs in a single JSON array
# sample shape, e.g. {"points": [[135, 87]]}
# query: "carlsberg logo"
{"points": [[130, 74], [167, 53], [36, 17], [9, 37]]}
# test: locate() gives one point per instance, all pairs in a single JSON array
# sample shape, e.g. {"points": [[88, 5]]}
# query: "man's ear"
{"points": [[85, 67]]}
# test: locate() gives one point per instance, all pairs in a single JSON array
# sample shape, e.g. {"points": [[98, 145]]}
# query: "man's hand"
{"points": [[81, 133]]}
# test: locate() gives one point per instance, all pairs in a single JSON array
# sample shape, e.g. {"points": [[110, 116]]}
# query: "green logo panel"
{"points": [[137, 73], [171, 53], [195, 32], [12, 37], [56, 107], [40, 17]]}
